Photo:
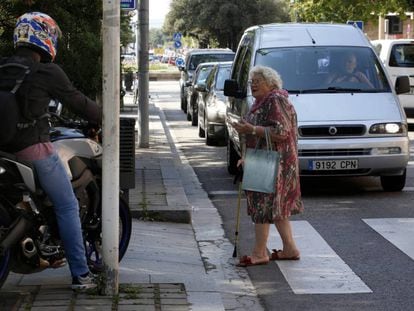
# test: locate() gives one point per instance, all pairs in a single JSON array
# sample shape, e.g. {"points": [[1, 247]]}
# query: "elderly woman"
{"points": [[272, 110]]}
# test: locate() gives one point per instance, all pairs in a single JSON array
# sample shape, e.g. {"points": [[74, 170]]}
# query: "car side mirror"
{"points": [[201, 87], [188, 83], [402, 85], [231, 88], [180, 68]]}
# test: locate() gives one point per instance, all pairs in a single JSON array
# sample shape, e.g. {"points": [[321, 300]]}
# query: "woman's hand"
{"points": [[243, 127], [240, 162]]}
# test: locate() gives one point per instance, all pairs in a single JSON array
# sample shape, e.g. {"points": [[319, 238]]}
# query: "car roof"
{"points": [[206, 64], [210, 51]]}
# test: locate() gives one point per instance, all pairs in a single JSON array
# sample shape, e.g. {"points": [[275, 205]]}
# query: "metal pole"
{"points": [[110, 165], [143, 74]]}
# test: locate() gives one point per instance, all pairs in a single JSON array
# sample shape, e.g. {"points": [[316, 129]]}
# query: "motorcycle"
{"points": [[29, 237]]}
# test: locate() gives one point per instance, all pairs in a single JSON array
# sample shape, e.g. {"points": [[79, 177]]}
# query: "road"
{"points": [[356, 240]]}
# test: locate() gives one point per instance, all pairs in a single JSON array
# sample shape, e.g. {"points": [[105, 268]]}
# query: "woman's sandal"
{"points": [[275, 256], [246, 261]]}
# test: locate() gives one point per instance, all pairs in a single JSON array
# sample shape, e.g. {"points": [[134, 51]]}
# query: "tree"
{"points": [[221, 21], [342, 10], [79, 49]]}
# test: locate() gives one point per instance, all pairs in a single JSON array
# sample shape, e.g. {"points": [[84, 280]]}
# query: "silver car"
{"points": [[211, 104]]}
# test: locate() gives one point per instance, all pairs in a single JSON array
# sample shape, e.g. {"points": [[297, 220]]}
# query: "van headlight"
{"points": [[388, 128]]}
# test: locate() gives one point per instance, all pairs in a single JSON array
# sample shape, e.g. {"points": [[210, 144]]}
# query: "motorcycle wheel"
{"points": [[93, 242], [5, 222]]}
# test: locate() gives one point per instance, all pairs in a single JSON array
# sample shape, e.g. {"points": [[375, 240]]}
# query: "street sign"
{"points": [[177, 44], [177, 36], [179, 62], [358, 24], [128, 5]]}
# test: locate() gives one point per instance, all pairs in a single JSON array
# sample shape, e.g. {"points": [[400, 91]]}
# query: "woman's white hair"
{"points": [[270, 75]]}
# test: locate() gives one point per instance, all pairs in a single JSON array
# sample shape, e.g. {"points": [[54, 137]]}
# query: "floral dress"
{"points": [[276, 112]]}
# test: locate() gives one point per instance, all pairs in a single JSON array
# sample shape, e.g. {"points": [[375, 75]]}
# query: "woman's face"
{"points": [[259, 86]]}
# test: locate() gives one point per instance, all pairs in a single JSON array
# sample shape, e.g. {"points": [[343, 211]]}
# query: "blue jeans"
{"points": [[55, 182]]}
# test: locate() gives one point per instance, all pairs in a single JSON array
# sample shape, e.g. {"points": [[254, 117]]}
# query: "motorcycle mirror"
{"points": [[55, 107]]}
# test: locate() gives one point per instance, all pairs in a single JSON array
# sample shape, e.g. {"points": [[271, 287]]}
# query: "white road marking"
{"points": [[399, 231], [320, 270]]}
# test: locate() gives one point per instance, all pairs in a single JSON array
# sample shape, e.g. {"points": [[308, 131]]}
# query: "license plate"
{"points": [[329, 165]]}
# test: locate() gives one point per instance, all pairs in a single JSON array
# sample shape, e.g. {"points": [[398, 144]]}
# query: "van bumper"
{"points": [[369, 156]]}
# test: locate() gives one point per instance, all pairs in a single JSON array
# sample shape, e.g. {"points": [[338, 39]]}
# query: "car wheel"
{"points": [[194, 117], [232, 158], [393, 183], [182, 99], [188, 112], [209, 140], [185, 105], [201, 132]]}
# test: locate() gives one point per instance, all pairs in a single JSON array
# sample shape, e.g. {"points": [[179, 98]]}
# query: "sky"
{"points": [[158, 9]]}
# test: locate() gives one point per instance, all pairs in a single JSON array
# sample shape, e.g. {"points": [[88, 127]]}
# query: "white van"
{"points": [[346, 128], [397, 56]]}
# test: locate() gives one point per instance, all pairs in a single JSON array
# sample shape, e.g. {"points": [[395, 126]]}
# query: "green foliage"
{"points": [[79, 49], [220, 21], [157, 38], [340, 11]]}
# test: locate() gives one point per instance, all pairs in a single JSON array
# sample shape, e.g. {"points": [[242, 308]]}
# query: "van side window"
{"points": [[242, 63]]}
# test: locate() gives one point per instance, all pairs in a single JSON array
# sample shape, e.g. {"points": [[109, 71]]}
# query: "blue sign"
{"points": [[177, 36], [358, 24], [128, 5], [177, 44], [179, 62]]}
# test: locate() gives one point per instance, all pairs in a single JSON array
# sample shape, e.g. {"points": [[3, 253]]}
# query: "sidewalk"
{"points": [[178, 257]]}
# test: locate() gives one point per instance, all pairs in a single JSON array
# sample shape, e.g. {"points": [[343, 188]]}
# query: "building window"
{"points": [[394, 25]]}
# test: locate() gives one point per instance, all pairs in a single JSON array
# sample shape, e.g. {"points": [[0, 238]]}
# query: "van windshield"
{"points": [[326, 69]]}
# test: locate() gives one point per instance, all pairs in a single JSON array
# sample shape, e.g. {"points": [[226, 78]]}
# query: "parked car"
{"points": [[200, 75], [192, 60], [397, 56], [212, 104], [344, 129]]}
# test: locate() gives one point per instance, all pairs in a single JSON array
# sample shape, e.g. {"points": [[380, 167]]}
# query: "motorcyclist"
{"points": [[35, 40]]}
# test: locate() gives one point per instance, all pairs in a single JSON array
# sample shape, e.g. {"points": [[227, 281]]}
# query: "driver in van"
{"points": [[348, 72], [35, 40]]}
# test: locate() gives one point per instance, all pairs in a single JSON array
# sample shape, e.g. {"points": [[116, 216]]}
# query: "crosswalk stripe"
{"points": [[399, 231], [320, 270]]}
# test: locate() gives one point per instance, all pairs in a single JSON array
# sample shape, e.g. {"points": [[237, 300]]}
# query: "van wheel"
{"points": [[393, 183], [232, 158]]}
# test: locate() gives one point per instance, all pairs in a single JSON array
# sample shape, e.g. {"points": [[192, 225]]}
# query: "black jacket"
{"points": [[48, 82]]}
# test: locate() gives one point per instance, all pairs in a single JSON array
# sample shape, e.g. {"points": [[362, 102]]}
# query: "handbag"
{"points": [[261, 167]]}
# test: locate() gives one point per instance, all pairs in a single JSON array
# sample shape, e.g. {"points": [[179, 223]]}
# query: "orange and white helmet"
{"points": [[38, 31]]}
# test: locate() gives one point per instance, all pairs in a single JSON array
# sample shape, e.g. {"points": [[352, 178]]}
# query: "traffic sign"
{"points": [[177, 36], [128, 5], [179, 62], [177, 44], [358, 24]]}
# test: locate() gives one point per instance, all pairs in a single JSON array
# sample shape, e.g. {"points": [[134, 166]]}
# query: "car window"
{"points": [[402, 55], [309, 69], [222, 75], [203, 74], [197, 59]]}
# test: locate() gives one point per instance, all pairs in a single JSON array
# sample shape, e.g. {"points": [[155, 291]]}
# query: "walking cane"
{"points": [[236, 234]]}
